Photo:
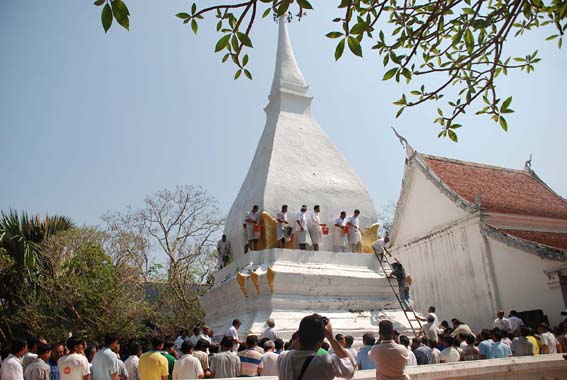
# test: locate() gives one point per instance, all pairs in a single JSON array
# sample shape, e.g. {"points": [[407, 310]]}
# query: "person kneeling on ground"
{"points": [[302, 362]]}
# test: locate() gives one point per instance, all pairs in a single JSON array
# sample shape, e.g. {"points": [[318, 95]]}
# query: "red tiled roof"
{"points": [[552, 239], [503, 190]]}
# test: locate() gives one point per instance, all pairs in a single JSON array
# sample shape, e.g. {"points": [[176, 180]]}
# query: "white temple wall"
{"points": [[450, 271], [424, 208], [522, 282]]}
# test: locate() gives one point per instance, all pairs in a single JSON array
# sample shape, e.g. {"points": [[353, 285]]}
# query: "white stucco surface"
{"points": [[348, 288], [295, 161]]}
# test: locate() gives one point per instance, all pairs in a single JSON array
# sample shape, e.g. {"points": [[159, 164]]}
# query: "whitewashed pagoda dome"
{"points": [[295, 161]]}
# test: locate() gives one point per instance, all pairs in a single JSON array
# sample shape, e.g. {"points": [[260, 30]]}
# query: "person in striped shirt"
{"points": [[250, 359]]}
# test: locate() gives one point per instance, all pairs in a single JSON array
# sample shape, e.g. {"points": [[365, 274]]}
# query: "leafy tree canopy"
{"points": [[433, 45]]}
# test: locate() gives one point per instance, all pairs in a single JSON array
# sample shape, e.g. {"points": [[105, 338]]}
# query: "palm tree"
{"points": [[21, 235]]}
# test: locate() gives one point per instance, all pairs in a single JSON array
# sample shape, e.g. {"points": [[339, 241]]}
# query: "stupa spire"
{"points": [[287, 76]]}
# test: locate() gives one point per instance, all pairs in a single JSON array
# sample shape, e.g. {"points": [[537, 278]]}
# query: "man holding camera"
{"points": [[301, 362]]}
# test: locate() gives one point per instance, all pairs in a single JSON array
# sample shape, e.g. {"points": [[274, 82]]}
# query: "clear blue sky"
{"points": [[92, 122]]}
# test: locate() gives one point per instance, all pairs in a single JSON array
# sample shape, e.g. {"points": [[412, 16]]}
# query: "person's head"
{"points": [[524, 331], [90, 352], [356, 212], [404, 340], [317, 208], [206, 330], [325, 346], [396, 265], [169, 347], [227, 343], [223, 237], [447, 340], [196, 330], [186, 348], [470, 339], [432, 344], [343, 214], [157, 343], [33, 343], [19, 347], [500, 314], [349, 340], [271, 324], [341, 339], [278, 344], [75, 345], [513, 313], [57, 351], [303, 208], [255, 208], [485, 334], [542, 328], [456, 323], [386, 239], [134, 348], [111, 341], [43, 351], [269, 346], [311, 332], [184, 333], [496, 335], [236, 323], [368, 339], [445, 325], [430, 319], [386, 329], [214, 348], [202, 345], [284, 208], [431, 309], [251, 341]]}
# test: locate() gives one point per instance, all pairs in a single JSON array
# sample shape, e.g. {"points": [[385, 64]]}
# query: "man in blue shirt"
{"points": [[499, 349], [362, 359], [57, 352], [105, 363], [485, 345]]}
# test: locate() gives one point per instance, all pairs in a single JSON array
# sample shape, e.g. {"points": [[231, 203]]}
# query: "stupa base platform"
{"points": [[287, 284]]}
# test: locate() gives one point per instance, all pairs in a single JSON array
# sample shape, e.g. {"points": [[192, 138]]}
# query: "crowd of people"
{"points": [[306, 225], [313, 352]]}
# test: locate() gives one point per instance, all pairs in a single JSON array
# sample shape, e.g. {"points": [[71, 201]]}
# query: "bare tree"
{"points": [[386, 214]]}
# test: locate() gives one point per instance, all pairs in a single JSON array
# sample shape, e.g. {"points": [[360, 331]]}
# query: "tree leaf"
{"points": [[121, 13], [98, 3], [339, 50], [452, 135], [245, 60], [244, 39], [390, 73], [354, 46], [266, 12], [106, 17], [334, 34], [222, 42], [304, 4], [247, 73], [237, 74], [183, 15], [503, 123], [469, 40], [506, 104]]}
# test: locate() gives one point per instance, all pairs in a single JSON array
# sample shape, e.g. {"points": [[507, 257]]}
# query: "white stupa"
{"points": [[295, 162]]}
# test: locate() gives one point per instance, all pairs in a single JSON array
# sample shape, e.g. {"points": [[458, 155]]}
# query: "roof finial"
{"points": [[404, 142], [528, 164], [287, 76]]}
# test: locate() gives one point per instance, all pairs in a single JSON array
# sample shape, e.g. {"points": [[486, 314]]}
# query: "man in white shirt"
{"points": [[11, 368], [105, 364], [205, 331], [38, 369], [314, 225], [195, 337], [411, 360], [75, 366], [302, 361], [281, 224], [354, 233], [301, 228], [450, 354], [270, 332], [548, 341], [269, 360], [223, 249], [341, 233], [183, 337], [188, 366], [515, 322], [31, 355], [232, 332], [500, 322], [431, 312], [133, 361], [430, 330], [252, 220], [390, 357], [379, 246]]}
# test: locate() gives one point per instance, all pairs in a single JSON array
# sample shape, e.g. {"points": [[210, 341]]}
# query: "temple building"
{"points": [[478, 238], [296, 163]]}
